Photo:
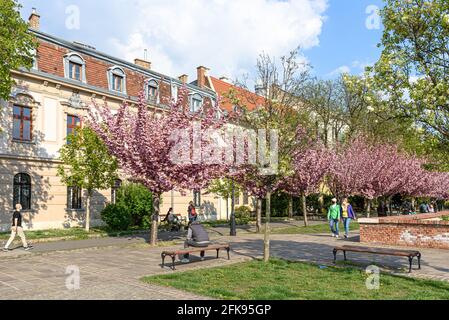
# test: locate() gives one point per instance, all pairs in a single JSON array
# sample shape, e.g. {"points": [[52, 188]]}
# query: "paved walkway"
{"points": [[111, 268]]}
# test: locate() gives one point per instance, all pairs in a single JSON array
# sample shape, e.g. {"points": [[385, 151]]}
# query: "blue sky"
{"points": [[224, 35]]}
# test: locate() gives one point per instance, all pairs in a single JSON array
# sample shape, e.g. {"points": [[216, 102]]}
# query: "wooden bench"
{"points": [[189, 250], [391, 252]]}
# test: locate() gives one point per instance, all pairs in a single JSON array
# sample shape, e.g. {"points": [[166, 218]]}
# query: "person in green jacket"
{"points": [[333, 216]]}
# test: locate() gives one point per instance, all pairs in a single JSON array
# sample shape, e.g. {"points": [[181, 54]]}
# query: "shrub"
{"points": [[138, 202], [242, 215], [116, 217]]}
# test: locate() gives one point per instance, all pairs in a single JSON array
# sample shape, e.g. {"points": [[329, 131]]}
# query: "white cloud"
{"points": [[340, 70], [225, 35]]}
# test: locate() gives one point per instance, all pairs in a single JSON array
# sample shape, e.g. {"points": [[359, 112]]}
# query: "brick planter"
{"points": [[422, 230]]}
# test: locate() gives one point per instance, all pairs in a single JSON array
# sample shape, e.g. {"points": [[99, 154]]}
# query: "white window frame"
{"points": [[192, 99], [153, 84], [117, 71], [74, 58]]}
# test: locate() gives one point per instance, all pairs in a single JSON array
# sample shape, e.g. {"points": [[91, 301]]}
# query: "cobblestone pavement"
{"points": [[113, 271]]}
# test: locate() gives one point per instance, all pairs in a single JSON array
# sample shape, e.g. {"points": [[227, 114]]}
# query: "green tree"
{"points": [[17, 45], [223, 188], [412, 72], [87, 164]]}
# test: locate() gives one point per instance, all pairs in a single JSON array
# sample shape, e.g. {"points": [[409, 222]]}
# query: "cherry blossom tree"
{"points": [[172, 149], [310, 167]]}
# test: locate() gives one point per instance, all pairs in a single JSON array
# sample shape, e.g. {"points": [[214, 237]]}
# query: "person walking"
{"points": [[347, 214], [333, 216], [17, 229], [191, 212]]}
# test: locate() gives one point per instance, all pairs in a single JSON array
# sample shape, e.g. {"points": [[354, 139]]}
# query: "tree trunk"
{"points": [[368, 209], [155, 219], [227, 209], [390, 206], [259, 215], [89, 195], [304, 209], [290, 207], [266, 241], [413, 204]]}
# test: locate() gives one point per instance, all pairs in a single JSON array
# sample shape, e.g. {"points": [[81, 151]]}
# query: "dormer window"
{"points": [[75, 67], [153, 91], [117, 79], [196, 103]]}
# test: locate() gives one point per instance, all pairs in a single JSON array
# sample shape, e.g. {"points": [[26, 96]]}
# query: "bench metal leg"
{"points": [[173, 262], [410, 260], [419, 261], [163, 259], [335, 255], [218, 253], [344, 254], [228, 249]]}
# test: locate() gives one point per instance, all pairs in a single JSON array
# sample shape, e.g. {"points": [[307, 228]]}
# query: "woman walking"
{"points": [[347, 214]]}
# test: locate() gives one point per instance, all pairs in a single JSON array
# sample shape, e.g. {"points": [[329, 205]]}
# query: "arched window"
{"points": [[114, 189], [117, 79], [75, 67], [22, 190], [152, 91], [196, 103]]}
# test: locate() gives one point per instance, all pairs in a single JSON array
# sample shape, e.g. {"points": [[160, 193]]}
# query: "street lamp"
{"points": [[233, 232]]}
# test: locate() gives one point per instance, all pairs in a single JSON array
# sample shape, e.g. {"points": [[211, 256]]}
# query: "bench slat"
{"points": [[195, 249], [393, 252]]}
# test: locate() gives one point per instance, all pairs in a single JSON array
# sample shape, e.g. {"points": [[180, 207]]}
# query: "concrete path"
{"points": [[111, 268]]}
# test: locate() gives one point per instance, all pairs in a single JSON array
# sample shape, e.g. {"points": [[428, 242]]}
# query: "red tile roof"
{"points": [[247, 99]]}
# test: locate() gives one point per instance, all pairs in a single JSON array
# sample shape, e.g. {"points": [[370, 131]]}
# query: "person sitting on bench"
{"points": [[196, 237], [172, 220]]}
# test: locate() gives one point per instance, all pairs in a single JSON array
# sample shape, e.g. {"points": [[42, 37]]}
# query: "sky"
{"points": [[226, 36]]}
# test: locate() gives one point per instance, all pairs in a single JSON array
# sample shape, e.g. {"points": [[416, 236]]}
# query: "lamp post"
{"points": [[233, 232]]}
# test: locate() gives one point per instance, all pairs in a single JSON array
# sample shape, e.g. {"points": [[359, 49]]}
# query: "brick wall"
{"points": [[407, 231]]}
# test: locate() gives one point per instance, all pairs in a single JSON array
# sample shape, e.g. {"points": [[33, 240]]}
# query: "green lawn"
{"points": [[281, 280], [319, 228], [71, 233]]}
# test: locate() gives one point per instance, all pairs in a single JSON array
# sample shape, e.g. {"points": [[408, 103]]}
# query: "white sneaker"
{"points": [[333, 235], [202, 258], [336, 236], [185, 260]]}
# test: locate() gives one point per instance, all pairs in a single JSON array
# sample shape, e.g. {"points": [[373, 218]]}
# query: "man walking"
{"points": [[17, 229], [333, 216]]}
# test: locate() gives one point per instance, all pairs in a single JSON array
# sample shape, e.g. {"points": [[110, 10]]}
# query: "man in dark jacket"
{"points": [[198, 237]]}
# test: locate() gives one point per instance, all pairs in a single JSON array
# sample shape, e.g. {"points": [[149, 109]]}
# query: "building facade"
{"points": [[49, 101]]}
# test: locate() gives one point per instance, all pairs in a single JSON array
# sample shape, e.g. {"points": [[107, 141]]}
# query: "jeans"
{"points": [[346, 222], [333, 223], [191, 243]]}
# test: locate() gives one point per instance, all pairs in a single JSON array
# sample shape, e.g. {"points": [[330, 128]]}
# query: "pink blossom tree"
{"points": [[164, 150], [310, 167]]}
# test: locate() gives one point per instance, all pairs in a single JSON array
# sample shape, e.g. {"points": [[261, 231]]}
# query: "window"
{"points": [[237, 200], [197, 198], [196, 103], [114, 189], [22, 190], [117, 79], [73, 122], [75, 67], [22, 123], [174, 92], [153, 91], [74, 198], [245, 198], [75, 71]]}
